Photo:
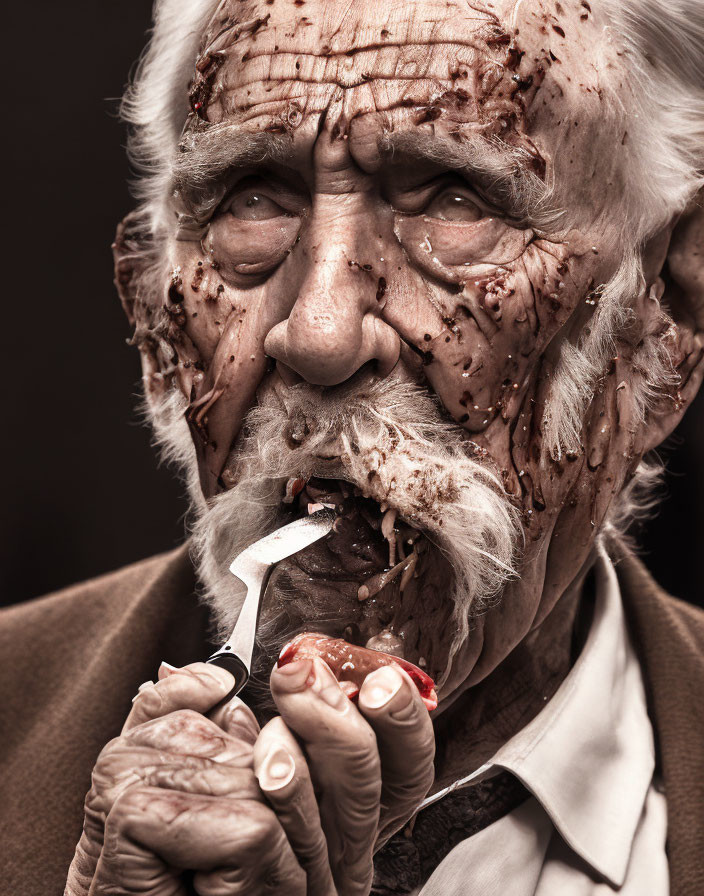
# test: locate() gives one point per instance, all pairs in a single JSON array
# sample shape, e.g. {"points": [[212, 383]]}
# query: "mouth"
{"points": [[376, 586]]}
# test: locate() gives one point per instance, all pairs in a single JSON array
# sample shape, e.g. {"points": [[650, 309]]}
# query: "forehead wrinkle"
{"points": [[338, 26], [402, 62], [415, 78], [344, 49], [366, 48], [377, 96]]}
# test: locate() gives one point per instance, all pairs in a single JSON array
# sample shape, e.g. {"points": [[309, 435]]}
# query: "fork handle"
{"points": [[235, 666]]}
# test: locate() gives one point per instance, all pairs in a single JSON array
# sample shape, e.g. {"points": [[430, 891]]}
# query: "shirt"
{"points": [[596, 822]]}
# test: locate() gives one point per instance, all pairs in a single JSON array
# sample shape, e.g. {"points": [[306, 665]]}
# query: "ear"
{"points": [[169, 357], [130, 252], [676, 273]]}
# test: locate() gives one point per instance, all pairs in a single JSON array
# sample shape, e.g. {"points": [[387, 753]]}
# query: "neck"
{"points": [[487, 715]]}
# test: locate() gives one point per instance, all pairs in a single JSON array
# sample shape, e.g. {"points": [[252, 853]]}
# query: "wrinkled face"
{"points": [[363, 189]]}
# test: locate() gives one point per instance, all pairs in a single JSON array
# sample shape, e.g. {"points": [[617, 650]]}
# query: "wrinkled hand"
{"points": [[185, 802]]}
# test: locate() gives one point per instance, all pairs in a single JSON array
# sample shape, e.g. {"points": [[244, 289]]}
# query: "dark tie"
{"points": [[409, 858]]}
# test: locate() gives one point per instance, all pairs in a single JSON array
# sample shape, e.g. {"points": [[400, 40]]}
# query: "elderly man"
{"points": [[436, 265]]}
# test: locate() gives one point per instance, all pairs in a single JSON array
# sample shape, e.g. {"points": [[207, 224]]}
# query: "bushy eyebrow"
{"points": [[205, 155], [509, 177]]}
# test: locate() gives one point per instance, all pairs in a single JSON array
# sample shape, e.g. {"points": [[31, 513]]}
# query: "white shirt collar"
{"points": [[588, 756]]}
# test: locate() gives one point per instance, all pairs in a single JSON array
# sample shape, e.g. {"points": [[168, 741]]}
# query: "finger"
{"points": [[89, 847], [392, 705], [188, 733], [204, 777], [237, 719], [222, 770], [242, 881], [177, 751], [190, 774], [151, 831], [282, 772], [198, 686], [120, 770], [343, 762], [166, 669], [83, 864], [211, 761]]}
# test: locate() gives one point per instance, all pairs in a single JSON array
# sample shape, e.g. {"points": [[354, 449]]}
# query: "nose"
{"points": [[334, 326]]}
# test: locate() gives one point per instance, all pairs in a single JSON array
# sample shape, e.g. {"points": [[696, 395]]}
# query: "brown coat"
{"points": [[71, 663]]}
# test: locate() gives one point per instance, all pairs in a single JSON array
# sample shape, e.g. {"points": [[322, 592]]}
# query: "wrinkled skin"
{"points": [[335, 253], [235, 804]]}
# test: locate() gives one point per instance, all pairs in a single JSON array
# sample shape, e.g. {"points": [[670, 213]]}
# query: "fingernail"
{"points": [[293, 676], [326, 686], [143, 685], [379, 687], [166, 669], [277, 769]]}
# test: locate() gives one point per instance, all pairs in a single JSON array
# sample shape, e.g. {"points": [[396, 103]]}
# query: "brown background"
{"points": [[82, 492]]}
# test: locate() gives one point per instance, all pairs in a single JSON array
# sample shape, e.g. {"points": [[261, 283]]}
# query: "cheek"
{"points": [[211, 306], [481, 340], [225, 329]]}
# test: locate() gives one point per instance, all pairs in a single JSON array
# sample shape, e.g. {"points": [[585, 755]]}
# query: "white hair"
{"points": [[663, 105], [581, 365], [155, 104], [663, 46]]}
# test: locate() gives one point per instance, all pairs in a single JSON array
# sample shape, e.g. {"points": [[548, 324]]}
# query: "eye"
{"points": [[255, 228], [251, 204], [454, 204]]}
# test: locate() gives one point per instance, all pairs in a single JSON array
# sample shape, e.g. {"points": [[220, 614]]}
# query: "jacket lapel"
{"points": [[668, 636]]}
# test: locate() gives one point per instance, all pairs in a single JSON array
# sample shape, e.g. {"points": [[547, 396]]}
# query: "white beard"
{"points": [[393, 444]]}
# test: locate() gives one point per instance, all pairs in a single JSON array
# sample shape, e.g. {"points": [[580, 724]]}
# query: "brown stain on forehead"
{"points": [[339, 33], [346, 25], [256, 57], [253, 67]]}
